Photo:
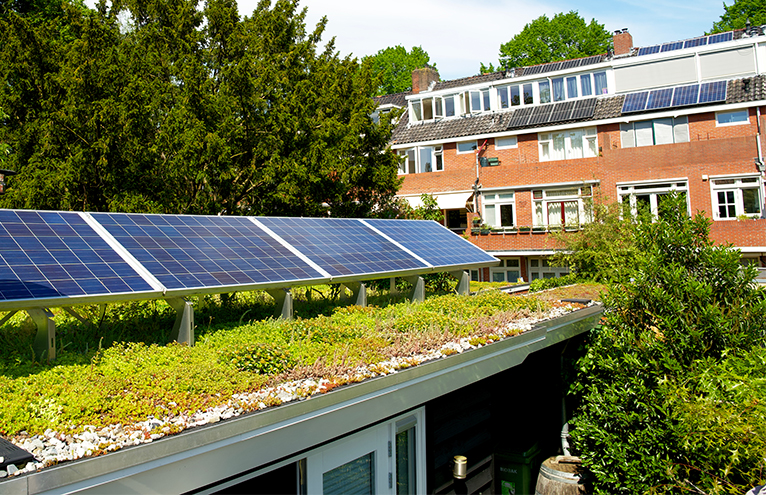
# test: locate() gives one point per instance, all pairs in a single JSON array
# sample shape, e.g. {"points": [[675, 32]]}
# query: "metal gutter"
{"points": [[205, 455]]}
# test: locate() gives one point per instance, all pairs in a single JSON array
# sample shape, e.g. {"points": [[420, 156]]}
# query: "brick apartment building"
{"points": [[525, 149]]}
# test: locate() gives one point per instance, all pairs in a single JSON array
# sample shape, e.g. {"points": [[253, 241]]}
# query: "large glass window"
{"points": [[657, 131], [648, 195], [558, 89], [734, 117], [507, 271], [599, 80], [545, 91], [561, 207], [499, 209], [565, 145], [421, 159], [541, 268], [736, 197]]}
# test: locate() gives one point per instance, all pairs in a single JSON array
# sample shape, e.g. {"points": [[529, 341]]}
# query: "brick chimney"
{"points": [[623, 42], [422, 79]]}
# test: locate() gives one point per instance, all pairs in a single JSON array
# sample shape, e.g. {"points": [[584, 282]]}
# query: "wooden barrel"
{"points": [[559, 475]]}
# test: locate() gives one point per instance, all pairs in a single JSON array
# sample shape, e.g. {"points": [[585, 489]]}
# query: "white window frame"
{"points": [[505, 269], [543, 198], [633, 132], [492, 204], [653, 189], [735, 185], [508, 142], [474, 144], [539, 267], [570, 144], [377, 440], [732, 117], [437, 159]]}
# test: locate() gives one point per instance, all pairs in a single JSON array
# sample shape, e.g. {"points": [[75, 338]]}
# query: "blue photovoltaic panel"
{"points": [[669, 47], [685, 95], [695, 42], [648, 50], [635, 102], [342, 246], [432, 242], [48, 254], [720, 37], [712, 92], [194, 251], [659, 98]]}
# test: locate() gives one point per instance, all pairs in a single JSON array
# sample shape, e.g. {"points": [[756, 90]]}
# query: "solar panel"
{"points": [[635, 102], [695, 42], [659, 98], [685, 95], [432, 242], [712, 92], [570, 64], [342, 246], [553, 66], [541, 115], [669, 47], [47, 254], [535, 69], [520, 117], [562, 111], [720, 37], [194, 251], [648, 50], [584, 109], [595, 59]]}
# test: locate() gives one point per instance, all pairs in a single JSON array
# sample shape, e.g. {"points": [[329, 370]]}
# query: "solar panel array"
{"points": [[566, 64], [49, 257], [690, 43], [678, 96], [549, 113]]}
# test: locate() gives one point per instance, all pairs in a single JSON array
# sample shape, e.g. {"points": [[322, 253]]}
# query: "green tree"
{"points": [[394, 66], [544, 40], [737, 14], [647, 397]]}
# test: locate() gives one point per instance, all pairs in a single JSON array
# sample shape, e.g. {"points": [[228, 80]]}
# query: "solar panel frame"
{"points": [[648, 50], [535, 69], [713, 92], [659, 98], [584, 109], [672, 46], [594, 59], [520, 117], [541, 115], [701, 41], [635, 102], [685, 95], [720, 37], [562, 111]]}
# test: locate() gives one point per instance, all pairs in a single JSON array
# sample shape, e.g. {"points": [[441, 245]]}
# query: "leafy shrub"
{"points": [[550, 283], [266, 359]]}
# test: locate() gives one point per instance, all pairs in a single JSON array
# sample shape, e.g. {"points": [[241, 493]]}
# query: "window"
{"points": [[545, 91], [508, 271], [735, 117], [734, 197], [513, 96], [561, 207], [567, 88], [649, 195], [387, 458], [466, 146], [506, 142], [499, 210], [541, 268], [558, 89], [599, 80], [585, 85], [421, 159], [449, 106], [479, 101], [431, 108], [567, 145], [572, 87], [657, 131]]}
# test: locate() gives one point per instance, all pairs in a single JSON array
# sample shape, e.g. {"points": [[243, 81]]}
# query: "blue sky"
{"points": [[458, 35]]}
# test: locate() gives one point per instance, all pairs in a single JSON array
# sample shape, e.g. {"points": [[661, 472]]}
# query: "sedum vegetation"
{"points": [[671, 389], [118, 369]]}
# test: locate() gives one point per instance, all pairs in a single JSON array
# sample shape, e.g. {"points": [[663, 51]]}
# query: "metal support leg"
{"points": [[463, 282], [418, 288], [392, 288], [284, 300], [183, 329], [359, 292], [45, 342]]}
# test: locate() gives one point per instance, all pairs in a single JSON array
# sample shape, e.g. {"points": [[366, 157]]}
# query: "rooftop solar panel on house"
{"points": [[720, 37], [635, 102], [685, 95], [49, 255], [648, 50], [562, 111], [551, 67], [659, 98], [520, 117], [541, 115], [595, 59], [570, 64], [669, 47], [535, 69], [584, 109], [342, 246], [695, 42], [198, 252], [432, 242], [712, 92]]}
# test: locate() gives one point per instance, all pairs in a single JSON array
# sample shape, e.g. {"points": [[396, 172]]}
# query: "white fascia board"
{"points": [[434, 194], [735, 176], [650, 181], [529, 252], [752, 249], [542, 186]]}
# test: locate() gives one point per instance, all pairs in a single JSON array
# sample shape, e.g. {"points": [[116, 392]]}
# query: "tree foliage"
{"points": [[563, 37], [671, 386], [394, 66], [736, 15], [189, 109]]}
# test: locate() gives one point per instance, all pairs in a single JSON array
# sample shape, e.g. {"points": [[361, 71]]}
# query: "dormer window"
{"points": [[479, 101], [512, 96]]}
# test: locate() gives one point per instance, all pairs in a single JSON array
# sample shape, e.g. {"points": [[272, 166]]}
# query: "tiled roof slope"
{"points": [[739, 90], [398, 99], [467, 81]]}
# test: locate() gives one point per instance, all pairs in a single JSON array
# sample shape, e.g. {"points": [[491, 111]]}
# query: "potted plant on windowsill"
{"points": [[476, 222], [538, 230], [484, 229], [524, 229]]}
